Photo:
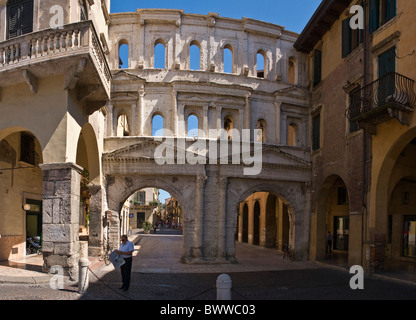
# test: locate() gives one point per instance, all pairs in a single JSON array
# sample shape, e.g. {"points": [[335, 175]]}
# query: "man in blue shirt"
{"points": [[126, 250]]}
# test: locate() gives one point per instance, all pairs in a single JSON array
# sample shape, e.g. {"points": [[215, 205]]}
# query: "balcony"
{"points": [[74, 51], [392, 96]]}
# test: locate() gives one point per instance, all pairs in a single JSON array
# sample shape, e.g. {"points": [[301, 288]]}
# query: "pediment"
{"points": [[124, 76]]}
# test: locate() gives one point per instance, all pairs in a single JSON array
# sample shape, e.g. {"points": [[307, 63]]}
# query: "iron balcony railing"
{"points": [[393, 91], [71, 39]]}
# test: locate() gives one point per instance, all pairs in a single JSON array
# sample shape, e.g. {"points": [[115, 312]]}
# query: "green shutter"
{"points": [[374, 15], [391, 9], [317, 67], [316, 132], [346, 37]]}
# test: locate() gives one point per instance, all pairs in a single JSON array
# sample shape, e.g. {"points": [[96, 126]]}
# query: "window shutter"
{"points": [[316, 132], [346, 37], [374, 15], [19, 18], [26, 16], [13, 21], [317, 67], [391, 9]]}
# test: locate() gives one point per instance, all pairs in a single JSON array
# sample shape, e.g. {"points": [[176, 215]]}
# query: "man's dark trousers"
{"points": [[126, 273]]}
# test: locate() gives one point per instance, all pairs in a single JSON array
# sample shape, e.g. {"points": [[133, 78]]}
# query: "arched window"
{"points": [[292, 71], [260, 64], [229, 126], [292, 135], [160, 55], [261, 135], [194, 56], [157, 125], [123, 54], [228, 53], [192, 126], [122, 126]]}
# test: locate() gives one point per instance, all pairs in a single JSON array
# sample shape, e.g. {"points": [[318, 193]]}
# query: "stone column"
{"points": [[141, 113], [205, 122], [198, 251], [60, 216], [222, 216], [278, 106], [219, 121], [250, 220], [174, 113], [110, 116]]}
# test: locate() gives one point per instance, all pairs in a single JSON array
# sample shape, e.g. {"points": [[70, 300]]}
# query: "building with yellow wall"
{"points": [[362, 124]]}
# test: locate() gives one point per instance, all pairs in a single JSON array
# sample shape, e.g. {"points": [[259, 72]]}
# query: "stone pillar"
{"points": [[198, 251], [222, 216], [250, 220], [60, 217], [96, 236], [278, 106], [110, 116], [219, 121], [141, 113], [205, 122]]}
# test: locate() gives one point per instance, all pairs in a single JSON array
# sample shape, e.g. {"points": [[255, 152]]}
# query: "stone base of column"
{"points": [[60, 217]]}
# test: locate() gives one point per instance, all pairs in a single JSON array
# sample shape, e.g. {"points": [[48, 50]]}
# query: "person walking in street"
{"points": [[329, 243], [126, 251]]}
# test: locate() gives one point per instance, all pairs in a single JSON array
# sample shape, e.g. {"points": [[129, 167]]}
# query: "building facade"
{"points": [[362, 125]]}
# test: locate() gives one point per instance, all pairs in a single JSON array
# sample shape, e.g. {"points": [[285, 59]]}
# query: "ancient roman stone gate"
{"points": [[209, 194], [245, 75]]}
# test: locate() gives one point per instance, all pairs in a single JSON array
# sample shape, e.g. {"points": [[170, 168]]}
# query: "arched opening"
{"points": [[292, 72], [401, 214], [261, 64], [159, 55], [266, 219], [228, 58], [292, 135], [21, 190], [192, 125], [229, 126], [261, 134], [332, 221], [158, 216], [123, 54], [123, 126], [194, 55], [157, 125]]}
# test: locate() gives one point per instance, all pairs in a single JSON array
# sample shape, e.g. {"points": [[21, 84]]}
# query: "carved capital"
{"points": [[223, 182], [201, 181]]}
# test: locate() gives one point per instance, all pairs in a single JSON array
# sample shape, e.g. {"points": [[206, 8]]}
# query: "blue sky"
{"points": [[291, 14]]}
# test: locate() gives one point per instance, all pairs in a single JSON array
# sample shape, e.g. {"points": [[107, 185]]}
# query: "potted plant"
{"points": [[147, 226]]}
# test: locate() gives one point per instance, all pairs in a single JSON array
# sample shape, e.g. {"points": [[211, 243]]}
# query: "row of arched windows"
{"points": [[193, 128], [160, 49]]}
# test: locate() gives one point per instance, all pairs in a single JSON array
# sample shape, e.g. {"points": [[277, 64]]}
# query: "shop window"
{"points": [[409, 236]]}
